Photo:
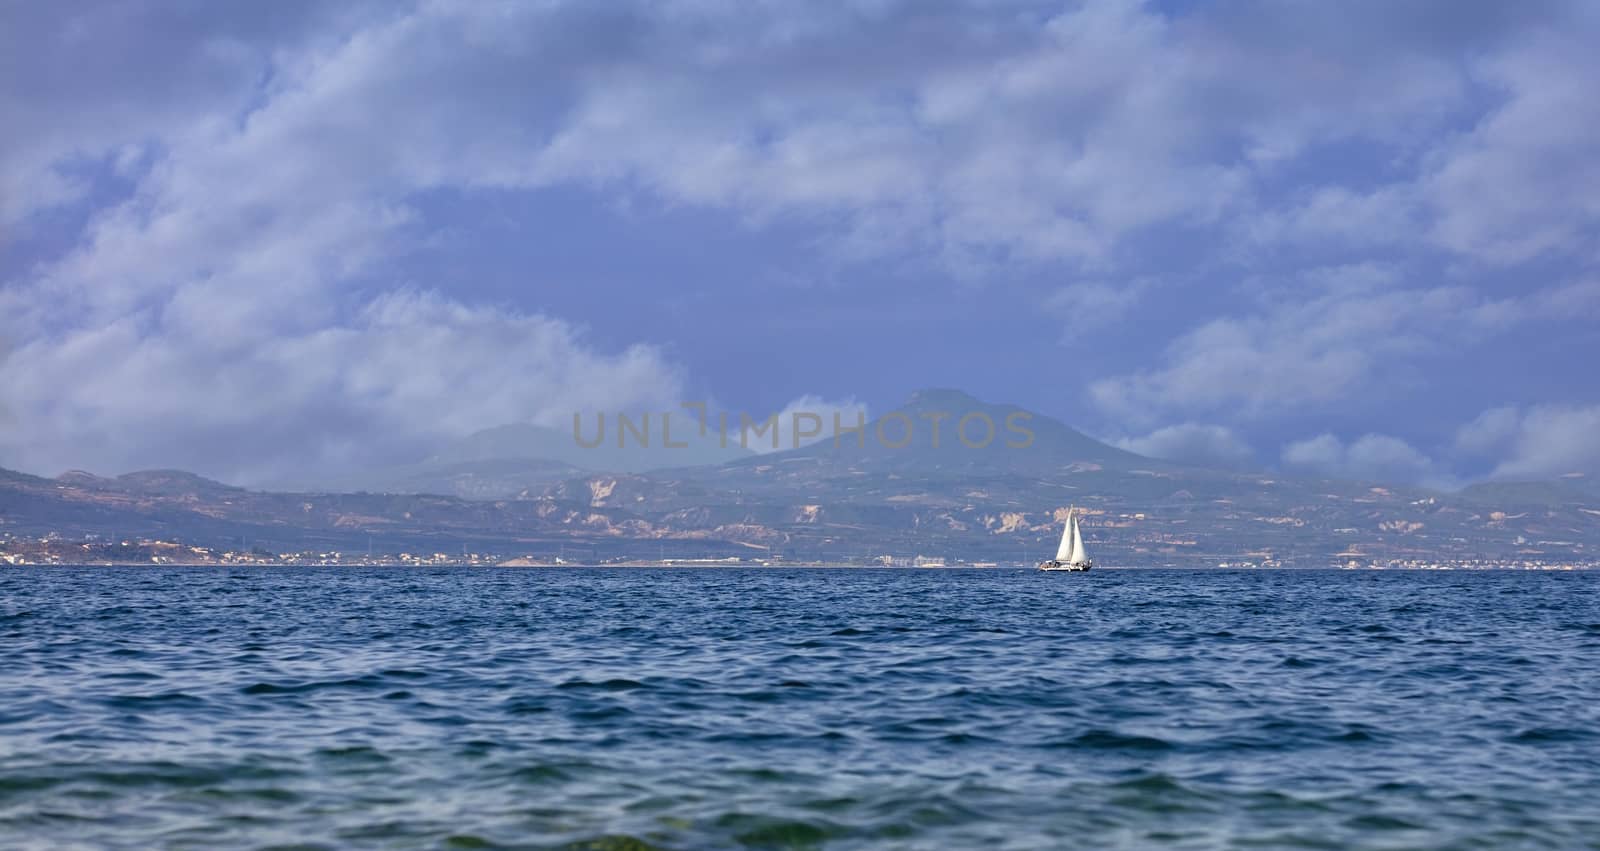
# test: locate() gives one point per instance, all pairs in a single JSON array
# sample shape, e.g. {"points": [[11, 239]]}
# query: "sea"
{"points": [[637, 708]]}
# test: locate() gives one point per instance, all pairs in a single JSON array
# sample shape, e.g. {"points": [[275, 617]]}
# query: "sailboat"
{"points": [[1070, 554]]}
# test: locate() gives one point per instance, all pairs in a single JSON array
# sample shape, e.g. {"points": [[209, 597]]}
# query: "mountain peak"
{"points": [[170, 482], [951, 432], [945, 398]]}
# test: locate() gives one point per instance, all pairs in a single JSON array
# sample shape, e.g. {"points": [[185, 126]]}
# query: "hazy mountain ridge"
{"points": [[507, 460], [995, 438], [1572, 488], [852, 501]]}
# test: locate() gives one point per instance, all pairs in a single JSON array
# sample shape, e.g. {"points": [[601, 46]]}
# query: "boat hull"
{"points": [[1066, 567]]}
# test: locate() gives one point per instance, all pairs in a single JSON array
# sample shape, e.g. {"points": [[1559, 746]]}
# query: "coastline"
{"points": [[669, 566]]}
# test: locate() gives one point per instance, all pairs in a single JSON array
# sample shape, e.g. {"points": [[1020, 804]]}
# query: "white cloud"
{"points": [[1491, 432], [1525, 181], [268, 163], [1335, 215], [221, 318], [806, 420], [1030, 129], [1535, 442], [405, 370], [1197, 443], [1089, 303], [1338, 338], [1044, 133], [1374, 457], [131, 73]]}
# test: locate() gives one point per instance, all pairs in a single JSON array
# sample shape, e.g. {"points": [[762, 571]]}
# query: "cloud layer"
{"points": [[1258, 212], [1537, 442], [1371, 457], [1194, 443]]}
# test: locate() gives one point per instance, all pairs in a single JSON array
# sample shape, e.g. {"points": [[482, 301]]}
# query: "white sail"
{"points": [[1070, 554], [1064, 551], [1078, 556]]}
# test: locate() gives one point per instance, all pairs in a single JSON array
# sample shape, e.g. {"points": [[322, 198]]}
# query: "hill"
{"points": [[855, 499], [501, 462]]}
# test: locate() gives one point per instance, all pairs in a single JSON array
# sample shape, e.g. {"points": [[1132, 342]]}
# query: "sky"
{"points": [[252, 240]]}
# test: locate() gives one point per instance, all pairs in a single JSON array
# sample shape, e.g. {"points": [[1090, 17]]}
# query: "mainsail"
{"points": [[1078, 556], [1069, 539]]}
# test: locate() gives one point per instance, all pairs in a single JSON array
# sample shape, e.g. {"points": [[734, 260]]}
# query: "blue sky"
{"points": [[1355, 239]]}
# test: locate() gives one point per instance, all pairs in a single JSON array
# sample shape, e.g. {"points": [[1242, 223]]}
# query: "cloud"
{"points": [[1192, 442], [1373, 457], [1030, 131], [406, 370], [234, 189], [1537, 442], [5, 401], [1525, 180], [809, 419], [1091, 303], [1020, 130], [1340, 336], [132, 72], [1337, 216], [1491, 432], [224, 317], [910, 124]]}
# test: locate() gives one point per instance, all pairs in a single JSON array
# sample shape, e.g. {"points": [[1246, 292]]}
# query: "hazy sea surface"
{"points": [[630, 708]]}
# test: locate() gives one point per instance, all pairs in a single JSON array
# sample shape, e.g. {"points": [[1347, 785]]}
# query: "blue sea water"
{"points": [[693, 709]]}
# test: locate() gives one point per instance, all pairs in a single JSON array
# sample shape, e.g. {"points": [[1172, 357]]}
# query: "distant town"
{"points": [[53, 549]]}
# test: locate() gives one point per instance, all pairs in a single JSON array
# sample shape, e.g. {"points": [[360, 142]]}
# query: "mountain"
{"points": [[948, 449], [526, 441], [1005, 499], [950, 433], [488, 479], [501, 462], [856, 498], [181, 506], [945, 433], [1572, 488]]}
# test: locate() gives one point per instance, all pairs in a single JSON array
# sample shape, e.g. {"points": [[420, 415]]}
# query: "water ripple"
{"points": [[627, 710]]}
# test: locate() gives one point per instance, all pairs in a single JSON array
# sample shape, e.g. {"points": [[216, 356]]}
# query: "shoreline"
{"points": [[400, 565]]}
